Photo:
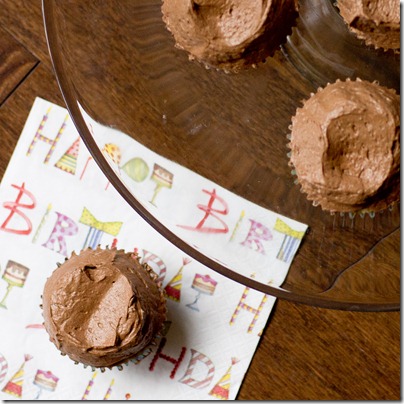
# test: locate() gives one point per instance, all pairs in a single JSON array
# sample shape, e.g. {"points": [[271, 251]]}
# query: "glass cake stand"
{"points": [[118, 68]]}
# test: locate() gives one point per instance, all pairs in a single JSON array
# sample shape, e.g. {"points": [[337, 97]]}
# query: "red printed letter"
{"points": [[160, 354], [210, 211], [13, 206]]}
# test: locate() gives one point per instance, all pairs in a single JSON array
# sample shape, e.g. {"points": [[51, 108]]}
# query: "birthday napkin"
{"points": [[54, 200]]}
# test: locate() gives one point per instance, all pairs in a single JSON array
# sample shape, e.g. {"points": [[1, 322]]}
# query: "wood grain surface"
{"points": [[306, 353]]}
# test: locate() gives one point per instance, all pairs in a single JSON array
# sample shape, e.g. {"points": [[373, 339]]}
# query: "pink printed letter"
{"points": [[64, 226], [40, 136], [159, 267], [205, 378], [257, 233], [242, 305]]}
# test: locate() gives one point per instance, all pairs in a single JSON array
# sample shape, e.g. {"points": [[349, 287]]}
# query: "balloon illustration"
{"points": [[136, 169]]}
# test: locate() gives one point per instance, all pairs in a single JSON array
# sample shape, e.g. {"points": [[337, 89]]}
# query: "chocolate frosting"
{"points": [[229, 34], [345, 146], [377, 22], [102, 307]]}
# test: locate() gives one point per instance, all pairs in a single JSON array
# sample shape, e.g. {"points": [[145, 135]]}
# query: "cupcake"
{"points": [[377, 22], [345, 147], [102, 307], [229, 34]]}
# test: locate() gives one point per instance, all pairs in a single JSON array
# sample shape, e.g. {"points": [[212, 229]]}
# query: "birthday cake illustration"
{"points": [[204, 284], [46, 380], [162, 178], [15, 274]]}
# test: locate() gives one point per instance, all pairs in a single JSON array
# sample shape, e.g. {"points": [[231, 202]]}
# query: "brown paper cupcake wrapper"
{"points": [[377, 40], [360, 212], [257, 52], [145, 352]]}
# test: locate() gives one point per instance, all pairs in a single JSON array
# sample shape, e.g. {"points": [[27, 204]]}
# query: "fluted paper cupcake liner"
{"points": [[144, 352], [362, 212], [368, 37], [255, 53]]}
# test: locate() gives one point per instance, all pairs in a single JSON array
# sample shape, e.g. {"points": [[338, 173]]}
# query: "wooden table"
{"points": [[305, 352]]}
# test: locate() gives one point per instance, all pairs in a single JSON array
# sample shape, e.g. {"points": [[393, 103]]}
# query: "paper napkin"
{"points": [[54, 200]]}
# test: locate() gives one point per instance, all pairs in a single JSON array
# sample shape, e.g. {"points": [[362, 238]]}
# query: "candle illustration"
{"points": [[45, 380], [15, 274], [85, 167], [236, 227], [89, 385], [14, 385], [42, 223], [162, 178], [108, 393], [203, 284], [35, 326]]}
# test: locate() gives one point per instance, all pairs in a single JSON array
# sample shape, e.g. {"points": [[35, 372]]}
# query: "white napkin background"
{"points": [[50, 182]]}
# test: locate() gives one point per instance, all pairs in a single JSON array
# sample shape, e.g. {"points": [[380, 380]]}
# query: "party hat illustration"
{"points": [[68, 161], [173, 288], [113, 152], [222, 387], [14, 385]]}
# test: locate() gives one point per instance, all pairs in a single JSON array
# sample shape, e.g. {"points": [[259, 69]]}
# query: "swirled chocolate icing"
{"points": [[102, 307], [377, 22], [229, 34], [345, 146]]}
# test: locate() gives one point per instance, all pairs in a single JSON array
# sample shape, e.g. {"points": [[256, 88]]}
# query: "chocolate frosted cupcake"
{"points": [[377, 22], [345, 147], [229, 34], [102, 307]]}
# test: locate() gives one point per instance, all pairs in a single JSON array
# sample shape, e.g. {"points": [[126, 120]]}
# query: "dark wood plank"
{"points": [[23, 20], [315, 354], [16, 63], [14, 112]]}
